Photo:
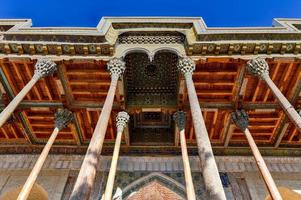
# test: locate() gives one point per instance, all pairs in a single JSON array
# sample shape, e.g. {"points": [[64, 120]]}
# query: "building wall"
{"points": [[239, 175]]}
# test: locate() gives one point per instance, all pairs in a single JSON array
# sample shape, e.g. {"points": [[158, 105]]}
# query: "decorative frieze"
{"points": [[44, 48], [152, 38], [144, 163]]}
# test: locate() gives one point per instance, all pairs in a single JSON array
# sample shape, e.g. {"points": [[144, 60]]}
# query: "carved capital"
{"points": [[62, 118], [258, 66], [241, 119], [180, 119], [44, 67], [186, 65], [116, 67], [121, 120]]}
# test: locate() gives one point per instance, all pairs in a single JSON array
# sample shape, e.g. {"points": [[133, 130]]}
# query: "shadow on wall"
{"points": [[37, 193]]}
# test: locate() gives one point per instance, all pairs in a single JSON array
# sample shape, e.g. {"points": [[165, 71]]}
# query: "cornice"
{"points": [[283, 38]]}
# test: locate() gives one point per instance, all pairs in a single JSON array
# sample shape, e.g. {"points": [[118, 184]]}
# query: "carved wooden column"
{"points": [[43, 67], [210, 173], [180, 119], [86, 176], [260, 68], [121, 121], [62, 119], [241, 120]]}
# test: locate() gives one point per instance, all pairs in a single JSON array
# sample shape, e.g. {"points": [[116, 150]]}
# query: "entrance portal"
{"points": [[154, 191]]}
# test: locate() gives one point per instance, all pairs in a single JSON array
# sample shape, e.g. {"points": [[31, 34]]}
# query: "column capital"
{"points": [[116, 67], [44, 67], [62, 118], [121, 120], [186, 65], [180, 119], [241, 119], [258, 67]]}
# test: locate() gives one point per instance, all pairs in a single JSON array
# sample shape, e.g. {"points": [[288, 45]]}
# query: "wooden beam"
{"points": [[61, 72], [20, 77], [35, 89], [273, 78], [296, 88], [250, 106], [29, 135], [281, 135], [229, 131], [5, 82], [238, 85], [293, 135], [78, 129], [211, 131], [286, 74], [260, 82]]}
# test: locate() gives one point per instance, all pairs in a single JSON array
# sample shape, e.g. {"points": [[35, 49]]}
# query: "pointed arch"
{"points": [[160, 178]]}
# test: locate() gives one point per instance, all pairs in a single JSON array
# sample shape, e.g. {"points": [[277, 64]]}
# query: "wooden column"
{"points": [[180, 119], [260, 68], [86, 176], [43, 67], [241, 120], [62, 119], [121, 121], [210, 172]]}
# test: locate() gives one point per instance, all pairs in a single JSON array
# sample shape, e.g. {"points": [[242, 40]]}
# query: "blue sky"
{"points": [[88, 13]]}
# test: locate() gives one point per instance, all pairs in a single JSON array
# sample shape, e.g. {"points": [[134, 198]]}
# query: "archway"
{"points": [[144, 188], [154, 191], [37, 193]]}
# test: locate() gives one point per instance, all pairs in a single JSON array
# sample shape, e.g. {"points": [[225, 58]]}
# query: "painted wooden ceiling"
{"points": [[222, 85]]}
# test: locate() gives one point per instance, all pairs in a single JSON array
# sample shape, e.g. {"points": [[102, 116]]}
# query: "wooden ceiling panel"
{"points": [[13, 132], [262, 125], [41, 125], [85, 84], [88, 119], [215, 81], [19, 73], [284, 75], [88, 82], [292, 135], [216, 122]]}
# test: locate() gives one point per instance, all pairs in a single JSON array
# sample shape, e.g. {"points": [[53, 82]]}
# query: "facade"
{"points": [[174, 108]]}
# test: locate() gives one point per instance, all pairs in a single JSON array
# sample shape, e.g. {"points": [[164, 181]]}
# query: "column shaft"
{"points": [[210, 172], [16, 101], [268, 179], [86, 176], [284, 103], [187, 171], [37, 168], [111, 176]]}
